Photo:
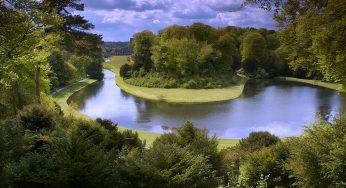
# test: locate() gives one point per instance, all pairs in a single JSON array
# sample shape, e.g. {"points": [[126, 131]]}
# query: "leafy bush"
{"points": [[124, 70], [36, 117], [258, 140], [159, 80]]}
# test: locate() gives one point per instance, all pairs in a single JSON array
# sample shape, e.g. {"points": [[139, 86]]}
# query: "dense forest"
{"points": [[116, 49], [43, 46]]}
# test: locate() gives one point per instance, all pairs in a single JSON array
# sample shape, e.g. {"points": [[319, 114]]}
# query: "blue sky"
{"points": [[118, 20]]}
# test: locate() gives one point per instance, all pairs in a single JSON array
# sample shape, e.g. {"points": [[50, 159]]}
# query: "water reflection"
{"points": [[282, 108]]}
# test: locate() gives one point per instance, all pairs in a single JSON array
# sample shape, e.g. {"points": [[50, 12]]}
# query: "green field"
{"points": [[179, 95]]}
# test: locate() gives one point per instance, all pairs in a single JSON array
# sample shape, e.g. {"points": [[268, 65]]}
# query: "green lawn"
{"points": [[319, 83], [178, 95]]}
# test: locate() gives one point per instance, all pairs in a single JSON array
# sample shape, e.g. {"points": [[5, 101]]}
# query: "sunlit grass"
{"points": [[319, 83]]}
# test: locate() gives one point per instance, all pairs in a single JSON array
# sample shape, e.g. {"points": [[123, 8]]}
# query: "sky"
{"points": [[118, 20]]}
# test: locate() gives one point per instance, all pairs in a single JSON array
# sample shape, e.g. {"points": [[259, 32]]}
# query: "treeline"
{"points": [[200, 56], [312, 36], [116, 49], [43, 38], [39, 147]]}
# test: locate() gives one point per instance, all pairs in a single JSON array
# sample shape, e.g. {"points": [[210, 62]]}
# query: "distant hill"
{"points": [[117, 48]]}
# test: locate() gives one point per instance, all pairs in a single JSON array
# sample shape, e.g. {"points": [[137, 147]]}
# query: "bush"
{"points": [[124, 70], [160, 80], [258, 140], [36, 117]]}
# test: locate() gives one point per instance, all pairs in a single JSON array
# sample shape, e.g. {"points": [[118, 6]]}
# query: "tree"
{"points": [[313, 36], [201, 32], [177, 57], [257, 140], [318, 156], [266, 165], [169, 165], [250, 65], [230, 53], [254, 46], [24, 48], [192, 138], [142, 43], [124, 70]]}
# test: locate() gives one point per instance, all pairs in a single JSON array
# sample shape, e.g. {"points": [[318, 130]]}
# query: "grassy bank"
{"points": [[319, 83], [62, 96], [176, 95]]}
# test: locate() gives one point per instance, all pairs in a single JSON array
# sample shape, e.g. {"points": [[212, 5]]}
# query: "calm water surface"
{"points": [[282, 108]]}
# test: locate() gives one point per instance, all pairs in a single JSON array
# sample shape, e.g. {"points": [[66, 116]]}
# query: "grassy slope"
{"points": [[178, 95], [62, 96], [333, 86]]}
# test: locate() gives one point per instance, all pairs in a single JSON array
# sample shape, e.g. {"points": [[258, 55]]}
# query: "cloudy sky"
{"points": [[118, 20]]}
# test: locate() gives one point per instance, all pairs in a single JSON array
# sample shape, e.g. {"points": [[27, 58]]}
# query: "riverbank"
{"points": [[333, 86], [61, 97], [176, 95]]}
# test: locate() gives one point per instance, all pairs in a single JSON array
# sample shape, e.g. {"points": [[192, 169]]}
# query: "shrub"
{"points": [[36, 117], [258, 140], [124, 70]]}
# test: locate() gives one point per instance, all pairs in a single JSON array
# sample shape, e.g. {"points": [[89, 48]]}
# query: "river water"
{"points": [[280, 107]]}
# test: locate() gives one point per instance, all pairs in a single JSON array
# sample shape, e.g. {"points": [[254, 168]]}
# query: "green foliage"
{"points": [[174, 166], [254, 46], [160, 80], [227, 44], [125, 70], [318, 157], [36, 117], [192, 138], [200, 56], [266, 167], [257, 140], [250, 65], [142, 43], [312, 35]]}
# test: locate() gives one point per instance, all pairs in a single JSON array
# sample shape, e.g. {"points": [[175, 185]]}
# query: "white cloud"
{"points": [[138, 15]]}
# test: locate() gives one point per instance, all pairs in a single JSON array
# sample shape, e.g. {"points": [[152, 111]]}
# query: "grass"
{"points": [[62, 96], [319, 83], [176, 95]]}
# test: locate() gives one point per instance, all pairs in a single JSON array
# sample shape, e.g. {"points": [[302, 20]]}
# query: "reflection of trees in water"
{"points": [[125, 95], [253, 87], [79, 98], [324, 97], [146, 109]]}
